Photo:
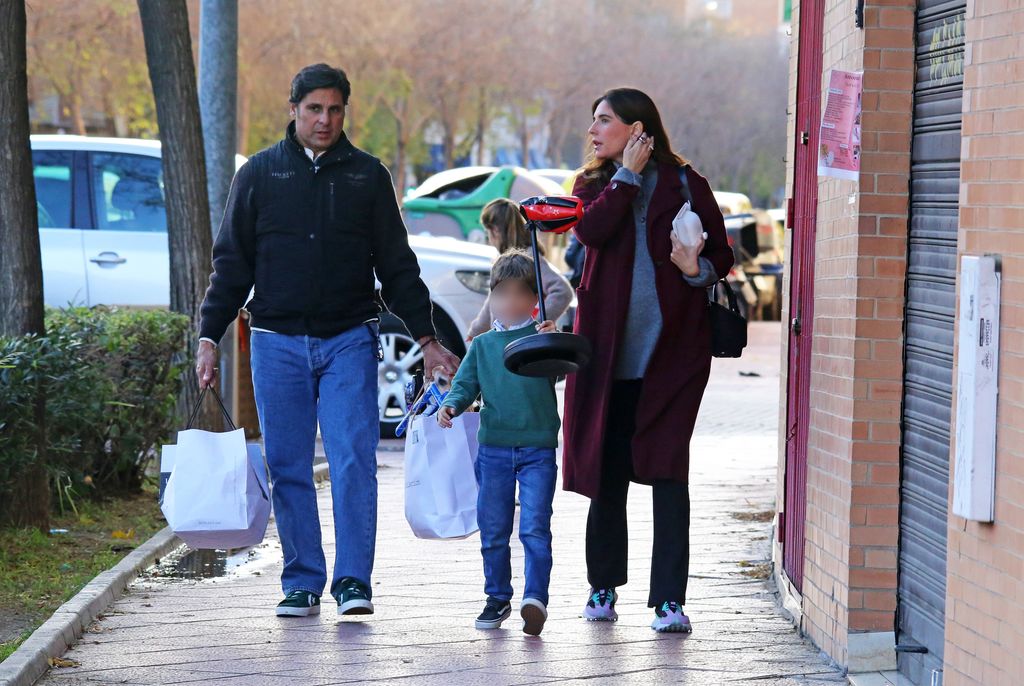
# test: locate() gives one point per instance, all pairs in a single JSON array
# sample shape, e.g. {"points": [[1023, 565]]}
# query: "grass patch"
{"points": [[755, 570], [39, 572], [762, 516]]}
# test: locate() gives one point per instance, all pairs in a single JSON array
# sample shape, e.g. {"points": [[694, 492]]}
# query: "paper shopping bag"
{"points": [[440, 482], [215, 494]]}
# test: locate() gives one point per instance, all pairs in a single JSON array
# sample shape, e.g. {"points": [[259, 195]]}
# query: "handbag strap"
{"points": [[685, 189], [730, 295], [199, 404]]}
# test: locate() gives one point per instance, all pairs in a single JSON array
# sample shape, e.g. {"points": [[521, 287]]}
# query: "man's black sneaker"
{"points": [[353, 597], [495, 612], [299, 604]]}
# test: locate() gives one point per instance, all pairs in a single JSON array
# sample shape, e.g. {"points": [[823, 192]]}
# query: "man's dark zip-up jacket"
{"points": [[309, 236]]}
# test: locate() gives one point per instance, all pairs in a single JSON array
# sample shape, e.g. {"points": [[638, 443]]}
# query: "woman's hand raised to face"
{"points": [[638, 151]]}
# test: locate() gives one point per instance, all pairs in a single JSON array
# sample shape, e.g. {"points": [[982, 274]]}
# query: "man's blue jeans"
{"points": [[299, 380], [497, 471]]}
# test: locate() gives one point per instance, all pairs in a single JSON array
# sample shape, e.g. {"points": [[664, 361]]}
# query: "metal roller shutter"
{"points": [[928, 353]]}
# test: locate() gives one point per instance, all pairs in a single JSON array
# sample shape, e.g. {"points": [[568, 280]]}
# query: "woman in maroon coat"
{"points": [[642, 302]]}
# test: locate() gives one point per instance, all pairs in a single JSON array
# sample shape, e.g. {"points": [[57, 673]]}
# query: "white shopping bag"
{"points": [[440, 483], [215, 495]]}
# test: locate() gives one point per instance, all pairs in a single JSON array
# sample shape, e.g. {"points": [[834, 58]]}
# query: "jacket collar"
{"points": [[336, 153]]}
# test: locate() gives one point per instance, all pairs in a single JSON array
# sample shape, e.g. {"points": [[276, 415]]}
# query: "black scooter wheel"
{"points": [[547, 354]]}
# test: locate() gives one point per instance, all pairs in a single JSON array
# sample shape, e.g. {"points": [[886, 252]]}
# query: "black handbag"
{"points": [[728, 327]]}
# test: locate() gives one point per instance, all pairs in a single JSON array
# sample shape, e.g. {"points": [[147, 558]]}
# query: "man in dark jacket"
{"points": [[308, 223]]}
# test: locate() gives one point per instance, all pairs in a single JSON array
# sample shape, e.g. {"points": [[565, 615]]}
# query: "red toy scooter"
{"points": [[557, 353]]}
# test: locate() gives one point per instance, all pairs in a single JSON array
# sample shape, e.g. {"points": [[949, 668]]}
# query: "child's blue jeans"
{"points": [[497, 471]]}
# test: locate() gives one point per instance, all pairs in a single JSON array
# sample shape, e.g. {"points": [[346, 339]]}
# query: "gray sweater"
{"points": [[643, 319]]}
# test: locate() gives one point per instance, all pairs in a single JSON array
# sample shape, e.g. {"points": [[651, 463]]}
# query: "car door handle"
{"points": [[105, 258]]}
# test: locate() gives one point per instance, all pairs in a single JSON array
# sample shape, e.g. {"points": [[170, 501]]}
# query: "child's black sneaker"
{"points": [[495, 612], [299, 604], [534, 614]]}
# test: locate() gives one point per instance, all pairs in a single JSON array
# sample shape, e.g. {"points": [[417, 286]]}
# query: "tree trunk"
{"points": [[448, 143], [218, 100], [399, 169], [482, 121], [21, 272], [244, 107], [524, 142], [77, 118], [218, 85], [165, 31]]}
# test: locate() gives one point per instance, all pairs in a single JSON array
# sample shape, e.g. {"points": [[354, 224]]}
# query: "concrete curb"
{"points": [[61, 631], [31, 660]]}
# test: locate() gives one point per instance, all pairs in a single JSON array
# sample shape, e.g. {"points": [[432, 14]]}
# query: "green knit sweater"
{"points": [[518, 411]]}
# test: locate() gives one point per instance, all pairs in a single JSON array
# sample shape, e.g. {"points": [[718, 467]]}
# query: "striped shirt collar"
{"points": [[498, 326]]}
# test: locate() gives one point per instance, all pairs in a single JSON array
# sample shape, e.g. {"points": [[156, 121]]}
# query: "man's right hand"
{"points": [[206, 364]]}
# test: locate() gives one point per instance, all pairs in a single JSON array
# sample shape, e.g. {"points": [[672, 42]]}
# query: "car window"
{"points": [[462, 180], [51, 170], [128, 192]]}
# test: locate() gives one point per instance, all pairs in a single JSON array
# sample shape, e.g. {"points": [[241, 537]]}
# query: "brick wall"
{"points": [[985, 590], [880, 267], [856, 382]]}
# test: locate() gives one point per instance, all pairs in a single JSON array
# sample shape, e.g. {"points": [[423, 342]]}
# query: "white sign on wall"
{"points": [[974, 476]]}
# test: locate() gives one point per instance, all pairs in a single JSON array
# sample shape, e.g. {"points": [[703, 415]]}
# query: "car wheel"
{"points": [[403, 358]]}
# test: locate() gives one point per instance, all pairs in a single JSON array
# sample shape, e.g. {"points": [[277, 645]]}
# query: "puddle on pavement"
{"points": [[183, 563]]}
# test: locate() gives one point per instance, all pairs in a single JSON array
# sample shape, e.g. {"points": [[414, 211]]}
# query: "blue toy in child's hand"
{"points": [[427, 403]]}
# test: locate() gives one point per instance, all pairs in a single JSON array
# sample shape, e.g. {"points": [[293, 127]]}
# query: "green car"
{"points": [[449, 202]]}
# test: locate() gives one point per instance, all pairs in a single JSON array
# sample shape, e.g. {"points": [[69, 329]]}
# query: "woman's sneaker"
{"points": [[670, 618], [495, 612], [353, 597], [299, 604], [600, 606], [534, 615]]}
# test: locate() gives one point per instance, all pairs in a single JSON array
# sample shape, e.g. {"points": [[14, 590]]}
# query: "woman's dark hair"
{"points": [[631, 106], [317, 76], [514, 265]]}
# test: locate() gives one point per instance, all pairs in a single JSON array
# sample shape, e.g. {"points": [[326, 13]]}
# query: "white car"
{"points": [[103, 237]]}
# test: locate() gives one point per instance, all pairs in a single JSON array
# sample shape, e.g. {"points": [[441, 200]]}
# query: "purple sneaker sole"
{"points": [[601, 607], [672, 622], [601, 616]]}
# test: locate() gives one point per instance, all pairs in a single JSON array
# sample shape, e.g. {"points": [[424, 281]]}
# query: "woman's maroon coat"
{"points": [[681, 362]]}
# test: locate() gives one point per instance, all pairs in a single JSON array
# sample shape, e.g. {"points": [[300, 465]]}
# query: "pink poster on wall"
{"points": [[839, 142]]}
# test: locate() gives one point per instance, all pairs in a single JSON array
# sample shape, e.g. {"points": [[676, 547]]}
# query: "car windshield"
{"points": [[464, 180]]}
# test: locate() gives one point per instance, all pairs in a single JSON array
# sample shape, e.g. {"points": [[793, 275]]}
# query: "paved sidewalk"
{"points": [[427, 593]]}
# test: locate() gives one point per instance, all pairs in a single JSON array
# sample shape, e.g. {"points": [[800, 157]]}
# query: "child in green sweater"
{"points": [[518, 435]]}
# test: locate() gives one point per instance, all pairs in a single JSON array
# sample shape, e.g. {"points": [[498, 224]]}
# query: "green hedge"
{"points": [[110, 379]]}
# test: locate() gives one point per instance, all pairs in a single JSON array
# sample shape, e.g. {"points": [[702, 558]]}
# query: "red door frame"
{"points": [[801, 289]]}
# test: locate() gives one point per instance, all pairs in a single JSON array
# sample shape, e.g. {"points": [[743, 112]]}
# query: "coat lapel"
{"points": [[668, 196]]}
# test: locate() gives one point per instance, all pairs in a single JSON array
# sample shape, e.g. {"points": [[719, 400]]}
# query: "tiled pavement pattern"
{"points": [[427, 593]]}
